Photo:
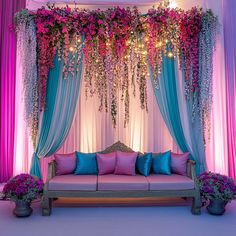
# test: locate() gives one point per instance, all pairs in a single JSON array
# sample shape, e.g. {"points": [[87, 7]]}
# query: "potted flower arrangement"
{"points": [[22, 189], [217, 189]]}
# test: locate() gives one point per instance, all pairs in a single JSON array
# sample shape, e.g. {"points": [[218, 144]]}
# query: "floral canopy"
{"points": [[120, 46]]}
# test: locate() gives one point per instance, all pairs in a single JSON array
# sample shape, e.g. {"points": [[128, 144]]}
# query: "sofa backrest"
{"points": [[118, 146]]}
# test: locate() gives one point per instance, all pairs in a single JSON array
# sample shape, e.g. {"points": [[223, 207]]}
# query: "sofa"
{"points": [[120, 186]]}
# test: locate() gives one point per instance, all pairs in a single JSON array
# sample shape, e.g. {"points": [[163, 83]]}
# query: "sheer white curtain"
{"points": [[93, 130]]}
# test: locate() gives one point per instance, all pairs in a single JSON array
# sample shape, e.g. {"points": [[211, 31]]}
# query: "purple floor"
{"points": [[111, 221]]}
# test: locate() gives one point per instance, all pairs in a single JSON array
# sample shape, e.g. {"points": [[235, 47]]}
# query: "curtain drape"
{"points": [[61, 100], [7, 86], [193, 131], [166, 96], [171, 107], [230, 72], [92, 130]]}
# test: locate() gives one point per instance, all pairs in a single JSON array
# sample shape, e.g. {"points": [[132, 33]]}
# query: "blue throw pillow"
{"points": [[86, 164], [144, 163], [161, 163]]}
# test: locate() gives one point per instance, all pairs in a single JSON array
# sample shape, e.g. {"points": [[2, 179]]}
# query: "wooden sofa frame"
{"points": [[49, 195]]}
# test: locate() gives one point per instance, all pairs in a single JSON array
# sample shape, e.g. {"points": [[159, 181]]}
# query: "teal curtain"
{"points": [[166, 96], [61, 100], [192, 126], [167, 99]]}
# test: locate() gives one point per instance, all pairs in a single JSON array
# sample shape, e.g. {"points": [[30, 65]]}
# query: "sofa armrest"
{"points": [[191, 172], [51, 174], [51, 169]]}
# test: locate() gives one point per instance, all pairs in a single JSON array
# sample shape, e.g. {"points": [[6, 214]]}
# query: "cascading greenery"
{"points": [[27, 50], [207, 43]]}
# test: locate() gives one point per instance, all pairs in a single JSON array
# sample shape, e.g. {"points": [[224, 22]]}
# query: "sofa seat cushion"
{"points": [[169, 182], [73, 182], [122, 182]]}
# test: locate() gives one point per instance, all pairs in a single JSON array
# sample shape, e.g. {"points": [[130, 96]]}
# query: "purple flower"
{"points": [[23, 186], [214, 186]]}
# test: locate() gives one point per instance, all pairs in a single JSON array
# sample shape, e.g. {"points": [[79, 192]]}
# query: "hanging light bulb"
{"points": [[71, 49], [144, 52], [159, 44], [146, 39], [170, 54], [128, 42]]}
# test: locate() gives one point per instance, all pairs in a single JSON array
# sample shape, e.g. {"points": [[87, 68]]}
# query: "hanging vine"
{"points": [[117, 43], [27, 50]]}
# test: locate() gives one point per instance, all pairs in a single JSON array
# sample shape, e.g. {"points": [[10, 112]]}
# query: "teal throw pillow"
{"points": [[161, 163], [86, 164], [144, 163]]}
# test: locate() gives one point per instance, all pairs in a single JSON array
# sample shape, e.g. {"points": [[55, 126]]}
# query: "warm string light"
{"points": [[159, 44], [170, 54], [146, 39], [172, 4], [71, 49]]}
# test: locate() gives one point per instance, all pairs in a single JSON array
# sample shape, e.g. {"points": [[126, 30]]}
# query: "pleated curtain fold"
{"points": [[61, 101], [167, 95]]}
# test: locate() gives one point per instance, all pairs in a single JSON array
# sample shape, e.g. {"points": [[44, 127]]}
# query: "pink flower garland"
{"points": [[118, 36], [190, 26]]}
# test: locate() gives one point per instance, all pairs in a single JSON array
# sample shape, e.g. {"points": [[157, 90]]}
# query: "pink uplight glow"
{"points": [[23, 149]]}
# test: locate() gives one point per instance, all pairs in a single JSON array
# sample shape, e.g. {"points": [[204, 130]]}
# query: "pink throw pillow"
{"points": [[125, 163], [106, 163], [65, 163], [179, 163]]}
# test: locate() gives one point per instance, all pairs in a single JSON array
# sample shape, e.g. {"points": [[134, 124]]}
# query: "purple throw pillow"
{"points": [[106, 163], [179, 163], [65, 163], [125, 163]]}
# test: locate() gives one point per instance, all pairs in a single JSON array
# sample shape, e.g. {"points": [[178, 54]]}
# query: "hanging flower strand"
{"points": [[117, 43], [26, 48], [207, 43]]}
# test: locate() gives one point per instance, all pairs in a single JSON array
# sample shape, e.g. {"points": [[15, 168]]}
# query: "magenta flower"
{"points": [[23, 187], [216, 186]]}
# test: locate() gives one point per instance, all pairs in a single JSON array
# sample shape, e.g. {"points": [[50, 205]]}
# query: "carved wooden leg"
{"points": [[46, 206], [196, 205]]}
